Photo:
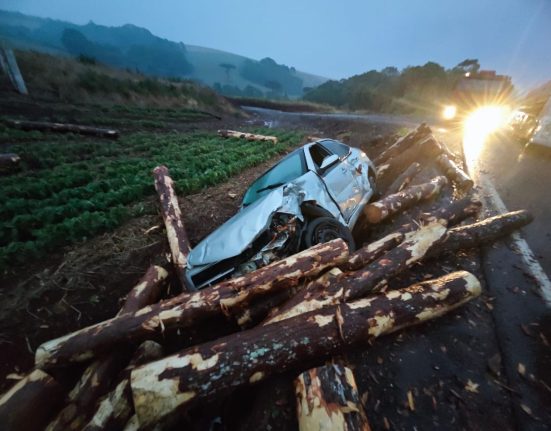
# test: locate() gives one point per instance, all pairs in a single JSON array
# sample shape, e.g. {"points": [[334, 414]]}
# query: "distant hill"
{"points": [[51, 77], [206, 68], [135, 48]]}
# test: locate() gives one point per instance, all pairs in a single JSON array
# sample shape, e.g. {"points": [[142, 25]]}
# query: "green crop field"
{"points": [[70, 188]]}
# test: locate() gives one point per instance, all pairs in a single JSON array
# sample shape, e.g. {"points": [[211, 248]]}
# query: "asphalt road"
{"points": [[510, 176], [521, 175]]}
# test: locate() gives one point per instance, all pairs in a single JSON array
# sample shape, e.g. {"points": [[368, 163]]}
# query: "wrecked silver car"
{"points": [[313, 195]]}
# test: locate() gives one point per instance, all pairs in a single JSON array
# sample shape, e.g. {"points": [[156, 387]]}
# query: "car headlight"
{"points": [[486, 119], [449, 112]]}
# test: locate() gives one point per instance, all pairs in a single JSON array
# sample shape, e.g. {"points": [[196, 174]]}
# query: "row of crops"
{"points": [[71, 188]]}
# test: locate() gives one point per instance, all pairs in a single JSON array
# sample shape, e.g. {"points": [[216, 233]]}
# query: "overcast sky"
{"points": [[338, 39]]}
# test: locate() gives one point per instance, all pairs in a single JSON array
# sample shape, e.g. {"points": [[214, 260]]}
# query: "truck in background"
{"points": [[483, 89]]}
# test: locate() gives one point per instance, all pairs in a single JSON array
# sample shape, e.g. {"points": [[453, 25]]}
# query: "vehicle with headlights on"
{"points": [[313, 195], [522, 124], [475, 91]]}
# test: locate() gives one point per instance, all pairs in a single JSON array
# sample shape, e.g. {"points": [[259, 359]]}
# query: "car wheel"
{"points": [[324, 229]]}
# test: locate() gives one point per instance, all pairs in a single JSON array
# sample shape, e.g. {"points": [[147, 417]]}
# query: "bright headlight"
{"points": [[486, 120], [449, 112], [480, 124]]}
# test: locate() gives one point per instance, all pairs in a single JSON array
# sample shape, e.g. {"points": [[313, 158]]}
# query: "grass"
{"points": [[84, 80], [71, 188]]}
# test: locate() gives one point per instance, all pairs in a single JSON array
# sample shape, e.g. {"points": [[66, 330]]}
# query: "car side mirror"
{"points": [[328, 161]]}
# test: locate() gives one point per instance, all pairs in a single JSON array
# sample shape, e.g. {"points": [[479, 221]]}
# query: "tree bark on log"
{"points": [[116, 408], [133, 424], [263, 307], [247, 136], [328, 399], [148, 290], [378, 211], [189, 309], [240, 302], [483, 232], [451, 214], [270, 305], [98, 376], [454, 173], [404, 179], [29, 404], [428, 148], [372, 251], [44, 126], [172, 384], [456, 211], [335, 287], [403, 143], [175, 230], [332, 288]]}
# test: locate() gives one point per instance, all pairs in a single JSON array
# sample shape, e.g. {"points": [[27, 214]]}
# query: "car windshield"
{"points": [[290, 168]]}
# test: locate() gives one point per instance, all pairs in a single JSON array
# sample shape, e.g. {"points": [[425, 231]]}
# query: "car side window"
{"points": [[289, 169], [318, 153], [337, 148]]}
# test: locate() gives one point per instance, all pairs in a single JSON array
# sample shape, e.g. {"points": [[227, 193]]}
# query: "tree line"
{"points": [[390, 90]]}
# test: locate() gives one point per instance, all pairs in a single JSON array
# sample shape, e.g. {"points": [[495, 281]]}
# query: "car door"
{"points": [[340, 178]]}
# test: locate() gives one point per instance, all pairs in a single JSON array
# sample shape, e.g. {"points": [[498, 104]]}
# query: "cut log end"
{"points": [[328, 399]]}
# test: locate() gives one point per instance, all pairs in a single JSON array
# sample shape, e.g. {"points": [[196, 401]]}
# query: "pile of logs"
{"points": [[301, 310]]}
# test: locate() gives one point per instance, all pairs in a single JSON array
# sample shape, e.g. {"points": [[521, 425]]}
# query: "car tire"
{"points": [[324, 229]]}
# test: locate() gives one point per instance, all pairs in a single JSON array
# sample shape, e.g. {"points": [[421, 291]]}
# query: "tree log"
{"points": [[177, 382], [313, 138], [454, 173], [240, 302], [378, 211], [372, 251], [44, 126], [116, 408], [483, 232], [451, 213], [133, 424], [9, 161], [403, 143], [148, 290], [328, 399], [427, 148], [404, 179], [263, 307], [456, 211], [335, 287], [175, 230], [188, 309], [358, 259], [98, 376], [29, 404], [247, 136]]}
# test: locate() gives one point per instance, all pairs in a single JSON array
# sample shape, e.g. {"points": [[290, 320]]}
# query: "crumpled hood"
{"points": [[236, 234]]}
